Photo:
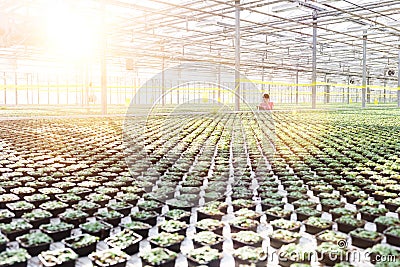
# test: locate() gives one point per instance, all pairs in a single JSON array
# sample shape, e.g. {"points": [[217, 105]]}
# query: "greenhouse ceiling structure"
{"points": [[347, 42]]}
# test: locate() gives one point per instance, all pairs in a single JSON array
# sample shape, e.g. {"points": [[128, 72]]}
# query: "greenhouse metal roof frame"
{"points": [[276, 36]]}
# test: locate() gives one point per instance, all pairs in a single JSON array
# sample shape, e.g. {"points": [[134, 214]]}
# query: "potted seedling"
{"points": [[140, 228], [383, 222], [109, 258], [75, 217], [15, 228], [268, 203], [246, 238], [35, 242], [366, 202], [110, 191], [339, 212], [331, 203], [393, 235], [159, 257], [79, 191], [353, 196], [50, 191], [371, 213], [243, 203], [294, 253], [112, 217], [20, 207], [295, 195], [381, 251], [282, 237], [37, 199], [330, 236], [209, 212], [82, 245], [87, 206], [204, 256], [14, 258], [364, 238], [7, 198], [57, 231], [173, 226], [167, 240], [3, 242], [96, 228], [6, 216], [179, 204], [248, 255], [55, 207], [65, 257], [126, 240], [210, 225], [303, 213], [243, 223], [122, 207], [277, 213], [315, 225], [348, 223], [207, 238], [149, 217], [98, 198], [286, 225], [37, 217], [68, 198], [392, 204], [331, 253], [177, 214], [251, 214]]}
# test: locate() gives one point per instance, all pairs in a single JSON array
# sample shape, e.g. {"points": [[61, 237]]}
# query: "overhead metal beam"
{"points": [[364, 76], [398, 80], [237, 55], [314, 62]]}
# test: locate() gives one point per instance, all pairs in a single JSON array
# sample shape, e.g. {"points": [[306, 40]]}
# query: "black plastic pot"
{"points": [[81, 251], [35, 250], [392, 239], [311, 229], [238, 244], [365, 243], [278, 243], [218, 230], [192, 263], [59, 235], [173, 247]]}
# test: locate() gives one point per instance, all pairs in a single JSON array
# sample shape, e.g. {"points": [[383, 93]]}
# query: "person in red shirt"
{"points": [[266, 104]]}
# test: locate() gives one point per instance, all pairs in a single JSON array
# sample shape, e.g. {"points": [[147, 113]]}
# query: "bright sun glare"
{"points": [[71, 33]]}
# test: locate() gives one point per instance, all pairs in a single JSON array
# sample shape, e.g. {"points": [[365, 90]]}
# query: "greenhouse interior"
{"points": [[199, 133]]}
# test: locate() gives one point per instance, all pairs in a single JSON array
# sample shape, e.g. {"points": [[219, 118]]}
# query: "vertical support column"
{"points": [[297, 87], [16, 87], [348, 89], [27, 88], [219, 83], [384, 89], [364, 78], [85, 99], [58, 91], [368, 89], [103, 65], [237, 55], [5, 88], [398, 81], [314, 62], [163, 78]]}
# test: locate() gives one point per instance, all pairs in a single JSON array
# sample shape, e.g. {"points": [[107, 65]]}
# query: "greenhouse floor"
{"points": [[240, 159]]}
